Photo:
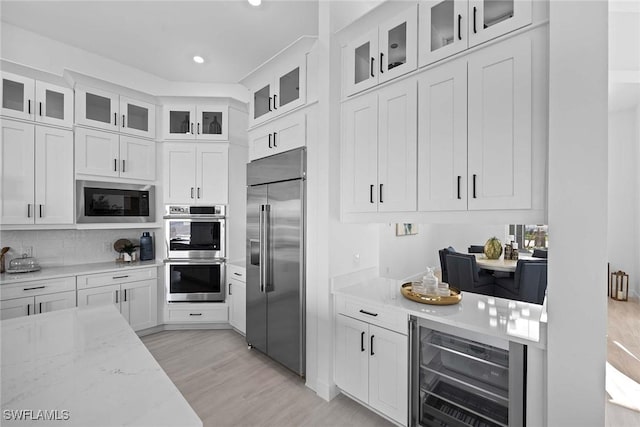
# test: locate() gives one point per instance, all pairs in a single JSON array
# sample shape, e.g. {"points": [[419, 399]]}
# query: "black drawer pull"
{"points": [[195, 314], [120, 277], [368, 313], [237, 274], [31, 289]]}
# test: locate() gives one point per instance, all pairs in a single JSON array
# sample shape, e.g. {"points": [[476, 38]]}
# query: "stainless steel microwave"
{"points": [[110, 202]]}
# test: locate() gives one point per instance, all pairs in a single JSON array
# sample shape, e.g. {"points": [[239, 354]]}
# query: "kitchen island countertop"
{"points": [[84, 367]]}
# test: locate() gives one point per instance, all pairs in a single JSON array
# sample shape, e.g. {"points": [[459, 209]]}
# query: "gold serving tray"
{"points": [[454, 298]]}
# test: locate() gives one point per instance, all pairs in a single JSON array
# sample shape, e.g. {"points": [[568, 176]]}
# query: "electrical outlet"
{"points": [[356, 259]]}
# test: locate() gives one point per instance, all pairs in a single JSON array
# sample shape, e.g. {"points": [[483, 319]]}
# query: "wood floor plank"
{"points": [[229, 385]]}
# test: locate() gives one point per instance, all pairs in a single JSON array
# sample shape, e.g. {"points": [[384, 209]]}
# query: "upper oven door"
{"points": [[195, 238]]}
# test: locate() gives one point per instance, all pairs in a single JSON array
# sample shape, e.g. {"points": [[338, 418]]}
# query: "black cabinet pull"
{"points": [[371, 193], [40, 210], [32, 289], [123, 116], [371, 346], [192, 192], [198, 192], [115, 165], [29, 106], [40, 308], [230, 293], [270, 141], [191, 128], [28, 309], [237, 274], [459, 179], [120, 277], [28, 210], [195, 314], [474, 19], [125, 295], [123, 166], [117, 297], [474, 185], [40, 107], [275, 107], [381, 201], [381, 56], [459, 27], [372, 59], [270, 104], [115, 119], [369, 313], [274, 139], [361, 341], [198, 128]]}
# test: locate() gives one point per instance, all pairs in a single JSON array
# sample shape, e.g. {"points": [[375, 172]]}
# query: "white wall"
{"points": [[624, 192], [404, 256], [70, 247], [577, 301], [35, 51]]}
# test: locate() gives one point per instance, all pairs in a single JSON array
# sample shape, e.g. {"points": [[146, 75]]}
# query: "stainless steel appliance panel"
{"points": [[199, 281], [285, 277], [108, 202], [188, 238], [256, 304], [285, 166]]}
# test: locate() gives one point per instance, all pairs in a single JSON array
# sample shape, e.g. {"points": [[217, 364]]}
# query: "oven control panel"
{"points": [[187, 210]]}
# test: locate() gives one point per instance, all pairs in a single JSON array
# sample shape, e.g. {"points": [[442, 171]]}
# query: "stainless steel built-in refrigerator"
{"points": [[275, 257]]}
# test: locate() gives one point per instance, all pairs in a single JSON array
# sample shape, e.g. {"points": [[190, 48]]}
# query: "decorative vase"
{"points": [[493, 248]]}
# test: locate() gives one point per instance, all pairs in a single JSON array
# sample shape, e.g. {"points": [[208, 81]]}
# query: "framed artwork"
{"points": [[406, 229]]}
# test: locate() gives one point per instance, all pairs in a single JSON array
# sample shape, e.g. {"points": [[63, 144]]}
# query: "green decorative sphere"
{"points": [[493, 248]]}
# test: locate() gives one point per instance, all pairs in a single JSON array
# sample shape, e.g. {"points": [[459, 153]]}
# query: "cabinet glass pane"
{"points": [[397, 48], [179, 121], [212, 122], [13, 95], [137, 117], [98, 108], [54, 104], [362, 55], [289, 87], [496, 11], [262, 102], [442, 24]]}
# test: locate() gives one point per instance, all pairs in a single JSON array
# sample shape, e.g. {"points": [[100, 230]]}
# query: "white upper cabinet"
{"points": [[451, 26], [110, 111], [500, 138], [442, 138], [29, 99], [280, 135], [107, 154], [379, 150], [381, 53], [279, 91], [196, 173], [196, 122], [36, 170]]}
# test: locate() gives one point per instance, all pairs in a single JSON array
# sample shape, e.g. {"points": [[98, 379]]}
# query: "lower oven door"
{"points": [[196, 281]]}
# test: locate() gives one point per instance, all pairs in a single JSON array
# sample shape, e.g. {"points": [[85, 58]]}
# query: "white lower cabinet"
{"points": [[371, 365], [198, 312], [237, 297], [29, 298], [132, 292]]}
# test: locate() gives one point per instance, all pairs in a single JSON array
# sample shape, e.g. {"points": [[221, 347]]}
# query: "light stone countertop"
{"points": [[89, 362], [74, 270], [516, 321]]}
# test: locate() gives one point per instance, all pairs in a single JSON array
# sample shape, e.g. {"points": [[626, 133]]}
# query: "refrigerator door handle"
{"points": [[264, 247], [261, 261]]}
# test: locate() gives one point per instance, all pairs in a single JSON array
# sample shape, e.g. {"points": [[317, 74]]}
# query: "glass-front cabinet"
{"points": [[282, 90], [202, 122], [382, 53], [109, 111], [29, 99], [451, 26]]}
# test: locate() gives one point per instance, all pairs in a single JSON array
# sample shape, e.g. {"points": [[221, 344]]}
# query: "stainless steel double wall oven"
{"points": [[196, 254]]}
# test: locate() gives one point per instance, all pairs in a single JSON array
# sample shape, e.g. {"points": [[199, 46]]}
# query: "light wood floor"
{"points": [[228, 385], [623, 355]]}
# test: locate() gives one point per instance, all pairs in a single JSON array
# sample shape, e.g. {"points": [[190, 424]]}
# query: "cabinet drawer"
{"points": [[197, 314], [373, 314], [87, 281], [40, 287], [236, 272]]}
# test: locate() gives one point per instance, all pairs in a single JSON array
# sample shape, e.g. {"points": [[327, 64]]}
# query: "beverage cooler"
{"points": [[464, 379]]}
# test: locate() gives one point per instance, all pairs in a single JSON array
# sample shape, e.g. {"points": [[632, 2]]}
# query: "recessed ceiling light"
{"points": [[255, 2], [198, 59]]}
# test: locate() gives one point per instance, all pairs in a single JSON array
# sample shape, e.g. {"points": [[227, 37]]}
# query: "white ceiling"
{"points": [[161, 37]]}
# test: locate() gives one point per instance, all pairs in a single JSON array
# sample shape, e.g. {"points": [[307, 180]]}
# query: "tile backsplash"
{"points": [[67, 247]]}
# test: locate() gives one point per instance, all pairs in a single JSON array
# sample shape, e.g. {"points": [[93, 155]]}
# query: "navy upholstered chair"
{"points": [[476, 249], [443, 262], [528, 284], [540, 253], [464, 274]]}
